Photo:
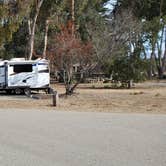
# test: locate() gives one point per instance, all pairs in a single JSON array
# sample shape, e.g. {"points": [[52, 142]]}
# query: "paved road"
{"points": [[38, 138]]}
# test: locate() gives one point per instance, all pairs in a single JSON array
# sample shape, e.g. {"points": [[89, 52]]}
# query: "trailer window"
{"points": [[22, 68]]}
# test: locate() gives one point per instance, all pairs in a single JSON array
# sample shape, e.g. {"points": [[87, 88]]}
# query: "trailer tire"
{"points": [[9, 91], [18, 91], [27, 91]]}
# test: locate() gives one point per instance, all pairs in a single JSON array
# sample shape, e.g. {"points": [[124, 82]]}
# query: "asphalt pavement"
{"points": [[50, 138]]}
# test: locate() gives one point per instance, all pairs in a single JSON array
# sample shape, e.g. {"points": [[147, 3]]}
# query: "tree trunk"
{"points": [[68, 87], [32, 27], [130, 84], [152, 62], [45, 38], [73, 15], [160, 72], [71, 87], [31, 40], [164, 57], [164, 61]]}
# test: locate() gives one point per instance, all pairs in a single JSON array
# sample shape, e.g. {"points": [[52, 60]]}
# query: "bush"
{"points": [[127, 68]]}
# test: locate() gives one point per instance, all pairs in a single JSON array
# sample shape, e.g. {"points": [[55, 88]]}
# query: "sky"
{"points": [[110, 4]]}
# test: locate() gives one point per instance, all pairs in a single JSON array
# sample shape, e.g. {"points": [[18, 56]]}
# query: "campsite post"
{"points": [[55, 98]]}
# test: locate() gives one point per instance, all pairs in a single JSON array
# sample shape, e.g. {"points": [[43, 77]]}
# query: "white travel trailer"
{"points": [[18, 75]]}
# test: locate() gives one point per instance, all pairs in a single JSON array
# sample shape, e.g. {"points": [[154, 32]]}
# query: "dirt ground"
{"points": [[148, 97]]}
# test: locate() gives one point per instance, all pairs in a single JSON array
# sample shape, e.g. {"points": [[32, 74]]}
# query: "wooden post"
{"points": [[55, 98]]}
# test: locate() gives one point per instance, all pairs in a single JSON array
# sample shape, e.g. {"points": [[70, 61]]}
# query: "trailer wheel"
{"points": [[50, 91], [18, 91], [27, 91], [9, 91]]}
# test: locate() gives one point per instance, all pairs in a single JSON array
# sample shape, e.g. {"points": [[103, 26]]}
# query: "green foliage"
{"points": [[11, 15], [90, 15], [152, 15], [17, 47], [125, 68], [147, 9]]}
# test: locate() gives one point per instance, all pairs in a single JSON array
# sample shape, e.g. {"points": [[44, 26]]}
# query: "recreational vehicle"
{"points": [[19, 75]]}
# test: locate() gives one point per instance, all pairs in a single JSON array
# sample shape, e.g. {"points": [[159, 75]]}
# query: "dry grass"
{"points": [[147, 97]]}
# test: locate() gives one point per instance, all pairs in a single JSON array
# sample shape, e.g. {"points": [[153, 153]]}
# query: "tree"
{"points": [[68, 50], [48, 17], [157, 38], [8, 23], [32, 25], [17, 47], [113, 37], [152, 14], [76, 49], [51, 14], [12, 14], [127, 69]]}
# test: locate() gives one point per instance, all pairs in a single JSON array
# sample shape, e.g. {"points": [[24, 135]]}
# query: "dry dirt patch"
{"points": [[149, 97]]}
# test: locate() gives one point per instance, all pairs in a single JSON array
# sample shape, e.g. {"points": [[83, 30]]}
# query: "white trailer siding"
{"points": [[2, 75], [43, 76], [16, 79], [32, 74]]}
